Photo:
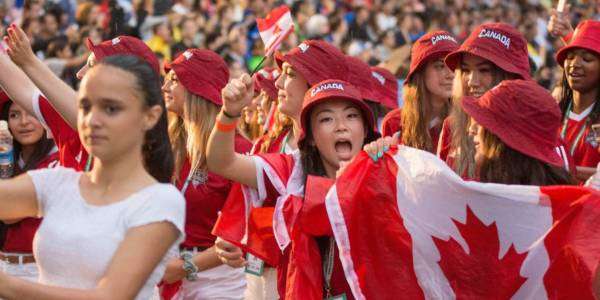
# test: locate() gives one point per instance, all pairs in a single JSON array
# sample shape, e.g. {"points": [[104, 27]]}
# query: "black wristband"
{"points": [[230, 116]]}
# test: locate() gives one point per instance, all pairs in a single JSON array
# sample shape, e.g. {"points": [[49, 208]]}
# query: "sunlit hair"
{"points": [[417, 113], [282, 124]]}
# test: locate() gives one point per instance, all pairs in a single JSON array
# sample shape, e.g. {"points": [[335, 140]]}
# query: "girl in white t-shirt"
{"points": [[106, 232]]}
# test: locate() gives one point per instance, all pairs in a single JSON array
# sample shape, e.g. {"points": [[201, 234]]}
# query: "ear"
{"points": [[153, 114]]}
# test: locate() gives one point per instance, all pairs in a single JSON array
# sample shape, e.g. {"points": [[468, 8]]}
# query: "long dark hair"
{"points": [[158, 155], [41, 151], [566, 99], [503, 164]]}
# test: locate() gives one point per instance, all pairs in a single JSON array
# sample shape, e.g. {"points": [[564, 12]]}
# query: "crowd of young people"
{"points": [[205, 188]]}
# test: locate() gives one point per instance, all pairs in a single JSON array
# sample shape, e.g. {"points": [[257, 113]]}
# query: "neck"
{"points": [[581, 101], [295, 133], [114, 172], [26, 152], [437, 105], [330, 171]]}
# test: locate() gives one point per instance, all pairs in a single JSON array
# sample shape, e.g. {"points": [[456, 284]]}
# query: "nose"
{"points": [[448, 73], [279, 81], [165, 86], [473, 128], [473, 79], [340, 125], [93, 118], [576, 61]]}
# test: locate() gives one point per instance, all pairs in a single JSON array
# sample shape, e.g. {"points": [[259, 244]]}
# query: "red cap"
{"points": [[331, 90], [123, 45], [431, 46], [585, 36], [386, 86], [316, 61], [499, 43], [523, 115], [265, 80], [3, 98], [360, 76], [202, 72]]}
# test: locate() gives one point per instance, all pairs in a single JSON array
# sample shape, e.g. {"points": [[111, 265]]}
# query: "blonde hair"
{"points": [[282, 123], [189, 134]]}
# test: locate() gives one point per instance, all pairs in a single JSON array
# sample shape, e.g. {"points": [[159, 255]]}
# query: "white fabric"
{"points": [[76, 241], [594, 181], [262, 287], [578, 117], [219, 283], [24, 271]]}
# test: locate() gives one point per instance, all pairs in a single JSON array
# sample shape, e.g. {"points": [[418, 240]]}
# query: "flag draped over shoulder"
{"points": [[407, 226]]}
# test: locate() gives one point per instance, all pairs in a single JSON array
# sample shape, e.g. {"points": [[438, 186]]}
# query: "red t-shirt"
{"points": [[70, 150], [19, 236], [585, 151], [205, 195], [392, 123]]}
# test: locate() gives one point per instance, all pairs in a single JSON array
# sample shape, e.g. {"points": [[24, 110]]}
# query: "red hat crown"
{"points": [[432, 45], [124, 45], [585, 36], [316, 61]]}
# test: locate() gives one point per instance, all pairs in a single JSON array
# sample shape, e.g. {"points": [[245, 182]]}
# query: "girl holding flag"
{"points": [[427, 93]]}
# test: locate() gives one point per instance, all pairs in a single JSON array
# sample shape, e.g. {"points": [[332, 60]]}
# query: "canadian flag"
{"points": [[275, 28], [408, 227]]}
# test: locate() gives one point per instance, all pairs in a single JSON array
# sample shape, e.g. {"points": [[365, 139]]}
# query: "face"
{"points": [[582, 68], [174, 93], [476, 133], [91, 61], [189, 29], [338, 131], [110, 103], [25, 128], [438, 79], [477, 75], [292, 86]]}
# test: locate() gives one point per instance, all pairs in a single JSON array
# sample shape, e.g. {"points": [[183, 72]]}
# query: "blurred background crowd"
{"points": [[379, 32]]}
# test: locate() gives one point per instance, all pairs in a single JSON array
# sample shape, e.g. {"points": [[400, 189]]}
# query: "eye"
{"points": [[85, 106], [353, 115], [323, 120], [111, 109], [485, 70], [13, 115]]}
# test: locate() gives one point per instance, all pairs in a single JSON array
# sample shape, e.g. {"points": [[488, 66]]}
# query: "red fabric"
{"points": [[523, 115], [19, 236], [71, 151], [386, 87], [202, 72], [392, 123], [585, 154], [433, 44], [3, 98], [586, 36], [316, 61], [499, 43], [204, 201], [360, 76], [445, 142], [124, 45], [265, 79]]}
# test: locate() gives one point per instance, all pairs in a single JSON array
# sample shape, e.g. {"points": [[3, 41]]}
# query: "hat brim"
{"points": [[98, 53], [486, 118], [453, 58], [431, 56], [561, 55]]}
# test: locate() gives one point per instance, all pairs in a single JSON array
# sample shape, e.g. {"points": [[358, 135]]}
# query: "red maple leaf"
{"points": [[276, 30], [480, 274]]}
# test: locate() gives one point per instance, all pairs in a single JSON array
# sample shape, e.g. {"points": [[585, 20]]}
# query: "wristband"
{"points": [[225, 127], [191, 270], [230, 116]]}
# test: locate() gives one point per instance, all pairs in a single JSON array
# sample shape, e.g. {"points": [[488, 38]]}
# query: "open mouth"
{"points": [[343, 147]]}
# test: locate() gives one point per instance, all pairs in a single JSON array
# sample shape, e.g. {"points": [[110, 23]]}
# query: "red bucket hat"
{"points": [[523, 115], [360, 77], [316, 61], [330, 90], [586, 36], [386, 86], [123, 45], [265, 80], [431, 46], [499, 43], [202, 72]]}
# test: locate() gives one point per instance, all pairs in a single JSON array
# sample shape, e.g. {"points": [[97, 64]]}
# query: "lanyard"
{"points": [[579, 135], [88, 164], [282, 147], [328, 267]]}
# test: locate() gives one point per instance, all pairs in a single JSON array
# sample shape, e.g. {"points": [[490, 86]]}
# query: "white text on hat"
{"points": [[495, 35], [303, 47], [379, 77], [437, 38], [325, 87]]}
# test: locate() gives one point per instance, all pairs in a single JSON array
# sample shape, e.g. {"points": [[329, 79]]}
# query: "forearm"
{"points": [[61, 95], [207, 259], [16, 288], [583, 173], [16, 84]]}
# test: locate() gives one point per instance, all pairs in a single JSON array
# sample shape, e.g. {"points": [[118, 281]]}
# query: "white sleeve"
{"points": [[164, 203], [51, 185]]}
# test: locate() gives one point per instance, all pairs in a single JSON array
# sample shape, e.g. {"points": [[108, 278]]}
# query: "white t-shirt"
{"points": [[76, 241]]}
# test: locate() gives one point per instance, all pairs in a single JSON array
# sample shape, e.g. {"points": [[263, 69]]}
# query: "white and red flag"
{"points": [[408, 227], [275, 28]]}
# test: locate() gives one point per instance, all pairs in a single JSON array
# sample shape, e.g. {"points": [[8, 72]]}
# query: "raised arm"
{"points": [[18, 198], [16, 84], [61, 95], [221, 156], [131, 266]]}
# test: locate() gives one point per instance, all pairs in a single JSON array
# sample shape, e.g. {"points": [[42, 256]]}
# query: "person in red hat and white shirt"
{"points": [[493, 52], [310, 63], [427, 93], [335, 123], [580, 60], [53, 102], [32, 150], [192, 92]]}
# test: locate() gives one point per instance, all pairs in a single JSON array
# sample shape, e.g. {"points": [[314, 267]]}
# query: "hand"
{"points": [[174, 271], [229, 254], [237, 94], [559, 24], [19, 47], [377, 148]]}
